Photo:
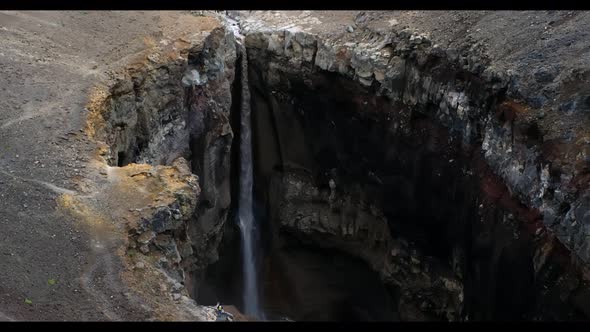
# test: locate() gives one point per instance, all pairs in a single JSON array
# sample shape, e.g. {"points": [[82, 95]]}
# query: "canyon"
{"points": [[405, 166]]}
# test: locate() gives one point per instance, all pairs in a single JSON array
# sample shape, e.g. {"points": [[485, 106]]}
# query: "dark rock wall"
{"points": [[148, 118], [210, 142], [383, 173]]}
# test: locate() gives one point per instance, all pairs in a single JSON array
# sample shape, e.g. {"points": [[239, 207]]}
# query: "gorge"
{"points": [[376, 185], [398, 167]]}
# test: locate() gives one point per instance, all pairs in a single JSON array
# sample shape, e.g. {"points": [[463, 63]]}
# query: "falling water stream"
{"points": [[247, 223]]}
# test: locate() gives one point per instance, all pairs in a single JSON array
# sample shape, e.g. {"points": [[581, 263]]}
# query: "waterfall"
{"points": [[247, 223]]}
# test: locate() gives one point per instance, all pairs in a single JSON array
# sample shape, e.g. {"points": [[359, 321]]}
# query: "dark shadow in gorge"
{"points": [[435, 192], [306, 283], [223, 280], [431, 187]]}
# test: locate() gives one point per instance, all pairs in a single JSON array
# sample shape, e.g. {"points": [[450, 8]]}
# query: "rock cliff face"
{"points": [[434, 164], [210, 143], [172, 108]]}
